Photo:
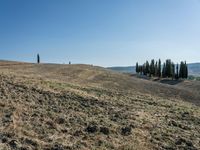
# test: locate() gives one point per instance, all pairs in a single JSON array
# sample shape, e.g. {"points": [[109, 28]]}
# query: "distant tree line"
{"points": [[167, 70]]}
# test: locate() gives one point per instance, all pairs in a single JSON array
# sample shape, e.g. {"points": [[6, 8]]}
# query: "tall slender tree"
{"points": [[172, 70], [137, 68], [144, 69], [177, 73], [186, 70], [38, 58], [168, 68], [152, 68], [159, 68], [181, 70], [156, 69], [147, 68], [164, 71]]}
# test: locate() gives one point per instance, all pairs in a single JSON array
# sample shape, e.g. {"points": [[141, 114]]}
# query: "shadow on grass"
{"points": [[170, 81]]}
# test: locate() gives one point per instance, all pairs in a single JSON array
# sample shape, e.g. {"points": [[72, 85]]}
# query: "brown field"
{"points": [[58, 107]]}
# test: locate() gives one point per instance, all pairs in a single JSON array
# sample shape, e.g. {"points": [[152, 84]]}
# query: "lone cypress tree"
{"points": [[38, 58]]}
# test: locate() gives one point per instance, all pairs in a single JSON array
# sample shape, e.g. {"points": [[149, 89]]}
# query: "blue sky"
{"points": [[100, 32]]}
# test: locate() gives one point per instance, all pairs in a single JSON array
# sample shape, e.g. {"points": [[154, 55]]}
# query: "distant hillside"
{"points": [[194, 69], [129, 69]]}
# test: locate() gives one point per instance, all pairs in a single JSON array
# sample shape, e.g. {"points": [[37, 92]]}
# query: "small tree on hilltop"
{"points": [[38, 58]]}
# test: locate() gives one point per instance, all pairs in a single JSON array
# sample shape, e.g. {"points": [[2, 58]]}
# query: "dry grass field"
{"points": [[60, 107]]}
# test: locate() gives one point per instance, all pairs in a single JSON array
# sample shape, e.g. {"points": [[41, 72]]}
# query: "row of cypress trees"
{"points": [[167, 70]]}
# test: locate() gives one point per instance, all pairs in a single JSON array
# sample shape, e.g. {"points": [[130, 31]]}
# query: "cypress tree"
{"points": [[147, 68], [137, 68], [140, 69], [156, 69], [164, 70], [159, 68], [38, 58], [172, 71], [177, 74], [168, 68], [144, 69], [152, 68], [185, 70], [181, 71]]}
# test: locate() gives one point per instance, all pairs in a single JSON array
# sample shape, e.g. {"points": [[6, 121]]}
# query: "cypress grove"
{"points": [[167, 70]]}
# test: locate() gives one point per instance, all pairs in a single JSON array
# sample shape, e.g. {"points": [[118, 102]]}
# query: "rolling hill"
{"points": [[58, 107], [193, 69]]}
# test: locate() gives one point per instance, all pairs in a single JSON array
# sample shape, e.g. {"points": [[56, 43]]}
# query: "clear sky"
{"points": [[100, 32]]}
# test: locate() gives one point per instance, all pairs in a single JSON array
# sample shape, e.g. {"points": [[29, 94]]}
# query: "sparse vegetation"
{"points": [[93, 108]]}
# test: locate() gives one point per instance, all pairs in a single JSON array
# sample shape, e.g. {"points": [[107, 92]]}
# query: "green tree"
{"points": [[38, 58], [177, 73], [147, 68], [152, 68], [168, 68], [137, 68], [181, 70], [185, 70], [172, 70], [144, 69], [159, 68], [156, 69], [164, 71]]}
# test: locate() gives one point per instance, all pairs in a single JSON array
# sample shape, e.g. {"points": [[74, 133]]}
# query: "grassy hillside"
{"points": [[50, 106]]}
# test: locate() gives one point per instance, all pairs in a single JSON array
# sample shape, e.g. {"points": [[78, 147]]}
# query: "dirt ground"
{"points": [[58, 107]]}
